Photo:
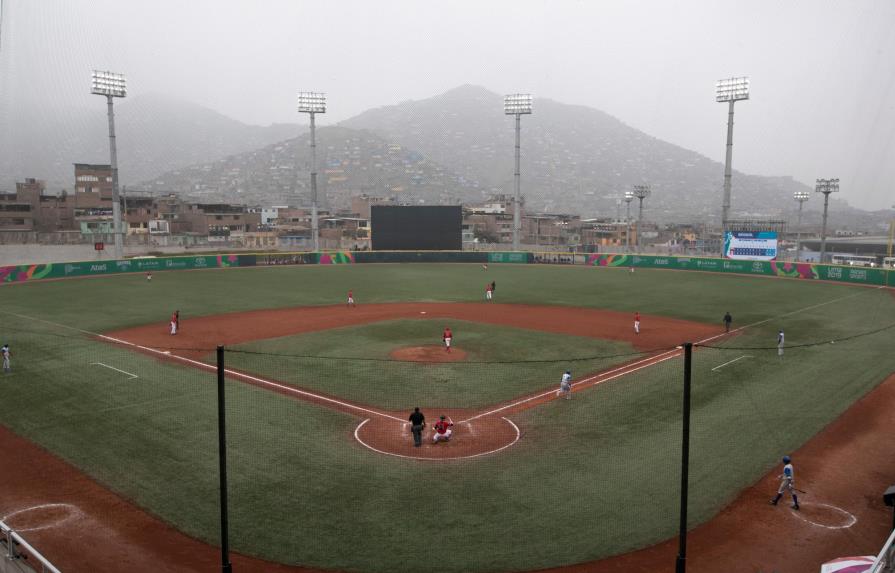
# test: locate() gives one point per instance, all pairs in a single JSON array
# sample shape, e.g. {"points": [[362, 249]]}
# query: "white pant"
{"points": [[637, 326], [350, 300], [488, 295], [173, 327], [442, 437], [447, 342]]}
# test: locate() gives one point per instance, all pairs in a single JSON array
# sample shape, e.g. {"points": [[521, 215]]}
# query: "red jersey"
{"points": [[637, 316], [447, 334], [441, 426], [350, 294]]}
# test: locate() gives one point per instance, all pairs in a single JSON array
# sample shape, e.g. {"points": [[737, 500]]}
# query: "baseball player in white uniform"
{"points": [[788, 480], [780, 339], [565, 385], [5, 352]]}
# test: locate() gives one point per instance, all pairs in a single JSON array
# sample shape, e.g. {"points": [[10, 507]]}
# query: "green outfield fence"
{"points": [[809, 271], [601, 472]]}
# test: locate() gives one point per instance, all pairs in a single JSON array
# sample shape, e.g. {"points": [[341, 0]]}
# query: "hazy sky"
{"points": [[823, 72]]}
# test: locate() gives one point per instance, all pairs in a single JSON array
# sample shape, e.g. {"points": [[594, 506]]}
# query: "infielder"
{"points": [[565, 386], [636, 323], [780, 339], [174, 322], [446, 338], [351, 298], [787, 482], [488, 291], [443, 430], [5, 352]]}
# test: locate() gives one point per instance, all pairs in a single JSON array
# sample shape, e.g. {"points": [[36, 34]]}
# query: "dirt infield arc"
{"points": [[477, 432]]}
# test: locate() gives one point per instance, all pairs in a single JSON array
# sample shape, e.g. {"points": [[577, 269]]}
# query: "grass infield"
{"points": [[591, 477]]}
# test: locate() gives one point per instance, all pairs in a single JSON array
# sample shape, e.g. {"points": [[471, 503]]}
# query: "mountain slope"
{"points": [[155, 134]]}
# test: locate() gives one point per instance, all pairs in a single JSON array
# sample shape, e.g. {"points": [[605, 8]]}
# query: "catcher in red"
{"points": [[443, 430]]}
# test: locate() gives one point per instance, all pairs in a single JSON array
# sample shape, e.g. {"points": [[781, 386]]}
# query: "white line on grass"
{"points": [[115, 369], [720, 366], [652, 360]]}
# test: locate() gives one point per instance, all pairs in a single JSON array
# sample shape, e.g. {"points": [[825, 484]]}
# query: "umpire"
{"points": [[417, 423]]}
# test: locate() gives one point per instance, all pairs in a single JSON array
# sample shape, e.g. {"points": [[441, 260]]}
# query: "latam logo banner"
{"points": [[750, 246]]}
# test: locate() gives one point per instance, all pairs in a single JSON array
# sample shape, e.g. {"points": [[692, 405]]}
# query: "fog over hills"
{"points": [[155, 134]]}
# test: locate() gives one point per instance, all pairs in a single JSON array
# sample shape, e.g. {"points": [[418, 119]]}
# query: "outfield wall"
{"points": [[809, 271]]}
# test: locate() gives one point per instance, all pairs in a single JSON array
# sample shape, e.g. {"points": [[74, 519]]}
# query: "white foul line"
{"points": [[115, 369], [667, 355], [730, 362]]}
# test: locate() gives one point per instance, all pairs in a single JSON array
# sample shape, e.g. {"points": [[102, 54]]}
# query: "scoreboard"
{"points": [[750, 245], [416, 228]]}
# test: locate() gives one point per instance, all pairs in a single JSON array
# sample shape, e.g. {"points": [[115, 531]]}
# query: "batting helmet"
{"points": [[786, 459]]}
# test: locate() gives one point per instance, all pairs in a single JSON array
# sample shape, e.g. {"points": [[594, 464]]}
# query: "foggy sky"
{"points": [[823, 72]]}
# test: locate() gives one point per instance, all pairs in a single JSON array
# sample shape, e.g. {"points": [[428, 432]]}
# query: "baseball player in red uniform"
{"points": [[636, 323], [174, 322], [351, 298], [489, 293], [446, 337], [443, 430]]}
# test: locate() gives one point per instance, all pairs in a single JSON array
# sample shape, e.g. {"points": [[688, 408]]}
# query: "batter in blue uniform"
{"points": [[787, 482]]}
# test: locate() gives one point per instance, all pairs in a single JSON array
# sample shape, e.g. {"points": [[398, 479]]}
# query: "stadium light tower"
{"points": [[641, 192], [629, 196], [112, 85], [730, 90], [518, 105], [825, 186], [801, 197], [313, 103]]}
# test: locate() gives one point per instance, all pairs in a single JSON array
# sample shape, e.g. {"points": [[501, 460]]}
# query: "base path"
{"points": [[848, 465]]}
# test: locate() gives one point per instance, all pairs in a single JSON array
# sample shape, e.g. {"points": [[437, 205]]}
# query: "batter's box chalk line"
{"points": [[471, 456]]}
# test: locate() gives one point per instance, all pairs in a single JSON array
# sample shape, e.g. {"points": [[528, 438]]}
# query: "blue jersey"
{"points": [[788, 472]]}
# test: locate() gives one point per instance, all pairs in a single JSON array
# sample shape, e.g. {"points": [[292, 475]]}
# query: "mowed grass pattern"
{"points": [[591, 477], [354, 362]]}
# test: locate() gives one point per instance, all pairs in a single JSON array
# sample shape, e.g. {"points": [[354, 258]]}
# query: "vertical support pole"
{"points": [[628, 227], [113, 156], [823, 233], [681, 563], [517, 227], [728, 173], [799, 235], [226, 567], [315, 231], [639, 221]]}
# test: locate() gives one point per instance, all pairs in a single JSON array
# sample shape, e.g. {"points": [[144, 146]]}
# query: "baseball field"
{"points": [[322, 468]]}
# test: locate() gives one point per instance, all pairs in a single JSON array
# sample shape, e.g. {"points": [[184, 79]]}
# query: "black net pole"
{"points": [[226, 567], [681, 563]]}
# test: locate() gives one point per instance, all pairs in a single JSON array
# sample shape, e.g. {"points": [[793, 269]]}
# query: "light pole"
{"points": [[313, 103], [641, 192], [801, 197], [825, 186], [729, 90], [518, 105], [112, 85], [629, 196]]}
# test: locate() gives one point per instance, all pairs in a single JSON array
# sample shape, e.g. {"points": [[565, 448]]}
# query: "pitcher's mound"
{"points": [[431, 353]]}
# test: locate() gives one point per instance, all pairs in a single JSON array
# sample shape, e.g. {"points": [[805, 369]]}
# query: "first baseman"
{"points": [[787, 482]]}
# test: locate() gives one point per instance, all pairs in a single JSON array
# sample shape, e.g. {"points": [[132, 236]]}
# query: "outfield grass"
{"points": [[357, 365], [591, 477]]}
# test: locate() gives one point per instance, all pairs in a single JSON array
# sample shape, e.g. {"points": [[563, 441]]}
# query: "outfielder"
{"points": [[788, 483], [780, 339], [446, 338], [351, 298], [5, 352], [565, 386], [636, 323], [488, 291], [443, 430]]}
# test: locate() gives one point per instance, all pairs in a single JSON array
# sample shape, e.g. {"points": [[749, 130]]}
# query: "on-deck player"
{"points": [[443, 430], [446, 337], [636, 323], [788, 482], [351, 298]]}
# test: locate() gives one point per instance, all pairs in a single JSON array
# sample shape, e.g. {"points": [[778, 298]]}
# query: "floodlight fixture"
{"points": [[825, 186], [514, 104], [629, 196], [311, 102], [517, 105], [732, 89], [801, 197], [641, 192], [108, 84]]}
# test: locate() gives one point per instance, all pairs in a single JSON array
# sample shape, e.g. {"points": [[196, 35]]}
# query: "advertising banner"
{"points": [[750, 246]]}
